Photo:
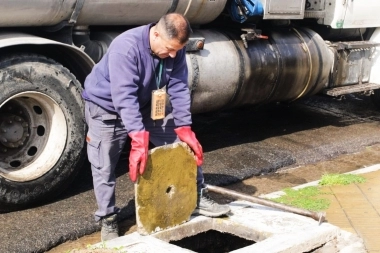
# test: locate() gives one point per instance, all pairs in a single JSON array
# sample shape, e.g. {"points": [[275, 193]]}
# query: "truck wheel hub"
{"points": [[13, 131]]}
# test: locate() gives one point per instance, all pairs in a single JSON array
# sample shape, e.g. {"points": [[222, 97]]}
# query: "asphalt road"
{"points": [[238, 144]]}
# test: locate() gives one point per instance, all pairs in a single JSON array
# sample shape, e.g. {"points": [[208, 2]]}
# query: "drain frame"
{"points": [[269, 229]]}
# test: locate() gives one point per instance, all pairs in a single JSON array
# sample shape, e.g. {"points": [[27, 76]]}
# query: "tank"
{"points": [[100, 12], [225, 74]]}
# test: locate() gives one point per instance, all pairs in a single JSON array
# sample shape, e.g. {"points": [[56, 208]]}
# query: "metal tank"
{"points": [[15, 13], [292, 63]]}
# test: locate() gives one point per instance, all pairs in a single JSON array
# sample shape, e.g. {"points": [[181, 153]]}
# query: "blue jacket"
{"points": [[123, 80]]}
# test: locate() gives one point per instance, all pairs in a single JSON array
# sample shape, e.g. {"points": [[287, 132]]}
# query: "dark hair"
{"points": [[176, 26]]}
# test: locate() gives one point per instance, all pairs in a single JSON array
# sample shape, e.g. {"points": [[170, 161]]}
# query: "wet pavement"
{"points": [[238, 144], [356, 209]]}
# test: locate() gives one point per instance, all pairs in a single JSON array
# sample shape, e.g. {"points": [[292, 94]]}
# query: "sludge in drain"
{"points": [[212, 241]]}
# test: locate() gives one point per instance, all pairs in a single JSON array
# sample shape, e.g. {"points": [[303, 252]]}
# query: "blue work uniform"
{"points": [[117, 98]]}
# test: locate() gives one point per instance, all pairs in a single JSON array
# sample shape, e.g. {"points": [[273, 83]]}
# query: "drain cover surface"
{"points": [[166, 193]]}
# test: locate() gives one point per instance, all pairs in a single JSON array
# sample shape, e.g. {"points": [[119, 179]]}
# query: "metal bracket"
{"points": [[341, 91], [350, 45], [67, 23], [78, 7]]}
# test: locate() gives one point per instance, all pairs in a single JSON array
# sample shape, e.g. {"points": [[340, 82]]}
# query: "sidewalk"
{"points": [[356, 209]]}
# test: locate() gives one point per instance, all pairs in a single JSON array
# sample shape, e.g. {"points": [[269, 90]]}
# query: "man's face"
{"points": [[163, 47]]}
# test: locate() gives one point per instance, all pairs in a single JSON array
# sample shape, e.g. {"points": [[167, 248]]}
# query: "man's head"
{"points": [[169, 35]]}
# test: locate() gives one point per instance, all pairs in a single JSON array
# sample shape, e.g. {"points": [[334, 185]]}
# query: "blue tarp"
{"points": [[241, 10]]}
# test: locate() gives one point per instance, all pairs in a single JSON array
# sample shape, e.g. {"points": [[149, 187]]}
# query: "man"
{"points": [[140, 65]]}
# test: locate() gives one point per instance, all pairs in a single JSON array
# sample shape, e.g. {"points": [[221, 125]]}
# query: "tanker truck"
{"points": [[241, 52]]}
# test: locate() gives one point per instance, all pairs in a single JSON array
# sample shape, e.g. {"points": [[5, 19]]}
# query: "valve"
{"points": [[195, 44], [251, 34]]}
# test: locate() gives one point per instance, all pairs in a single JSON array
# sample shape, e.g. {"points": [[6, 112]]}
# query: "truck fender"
{"points": [[77, 61]]}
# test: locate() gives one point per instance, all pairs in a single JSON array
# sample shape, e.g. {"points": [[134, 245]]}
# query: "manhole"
{"points": [[248, 228], [212, 241]]}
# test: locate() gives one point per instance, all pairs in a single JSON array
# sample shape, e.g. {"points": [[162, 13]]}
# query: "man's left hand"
{"points": [[185, 134]]}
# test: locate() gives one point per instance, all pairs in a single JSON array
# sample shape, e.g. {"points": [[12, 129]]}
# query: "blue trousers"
{"points": [[106, 138]]}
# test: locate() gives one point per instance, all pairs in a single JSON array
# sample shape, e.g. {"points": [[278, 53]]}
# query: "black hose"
{"points": [[93, 48]]}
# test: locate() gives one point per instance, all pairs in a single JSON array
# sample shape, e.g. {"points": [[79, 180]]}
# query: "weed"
{"points": [[340, 179], [308, 197], [103, 245], [304, 198]]}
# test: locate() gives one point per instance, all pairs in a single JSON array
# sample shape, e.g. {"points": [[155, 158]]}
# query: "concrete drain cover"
{"points": [[166, 193]]}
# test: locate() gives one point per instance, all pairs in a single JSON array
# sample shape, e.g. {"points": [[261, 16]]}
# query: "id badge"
{"points": [[158, 104]]}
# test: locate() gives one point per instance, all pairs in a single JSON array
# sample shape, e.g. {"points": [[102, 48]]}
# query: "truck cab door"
{"points": [[352, 13]]}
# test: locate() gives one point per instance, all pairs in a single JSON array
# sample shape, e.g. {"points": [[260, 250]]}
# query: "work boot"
{"points": [[110, 229], [208, 207]]}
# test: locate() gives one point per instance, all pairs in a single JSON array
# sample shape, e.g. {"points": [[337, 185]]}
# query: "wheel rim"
{"points": [[33, 133]]}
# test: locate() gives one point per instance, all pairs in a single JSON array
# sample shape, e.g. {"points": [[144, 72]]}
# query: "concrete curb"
{"points": [[364, 170]]}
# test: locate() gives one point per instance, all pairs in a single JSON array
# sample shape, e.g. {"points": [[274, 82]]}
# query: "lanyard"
{"points": [[158, 78]]}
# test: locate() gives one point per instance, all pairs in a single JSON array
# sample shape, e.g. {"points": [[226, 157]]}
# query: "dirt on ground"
{"points": [[255, 186]]}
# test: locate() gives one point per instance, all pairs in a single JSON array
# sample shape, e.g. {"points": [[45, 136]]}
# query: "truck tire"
{"points": [[42, 130]]}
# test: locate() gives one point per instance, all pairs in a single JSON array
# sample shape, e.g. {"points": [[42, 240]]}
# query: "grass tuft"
{"points": [[308, 197], [340, 179], [304, 198]]}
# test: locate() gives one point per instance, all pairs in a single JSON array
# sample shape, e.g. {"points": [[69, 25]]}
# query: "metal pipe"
{"points": [[318, 216]]}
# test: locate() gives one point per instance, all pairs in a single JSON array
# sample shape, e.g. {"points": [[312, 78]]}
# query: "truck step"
{"points": [[351, 89], [350, 45]]}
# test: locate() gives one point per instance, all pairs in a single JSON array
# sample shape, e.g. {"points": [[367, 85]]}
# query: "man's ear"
{"points": [[155, 34]]}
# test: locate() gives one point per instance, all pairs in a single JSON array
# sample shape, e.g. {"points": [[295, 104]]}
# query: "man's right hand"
{"points": [[139, 153]]}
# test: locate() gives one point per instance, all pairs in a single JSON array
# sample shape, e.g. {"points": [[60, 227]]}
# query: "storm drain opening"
{"points": [[212, 241]]}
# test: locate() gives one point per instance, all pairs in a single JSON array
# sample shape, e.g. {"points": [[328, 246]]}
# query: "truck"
{"points": [[241, 52]]}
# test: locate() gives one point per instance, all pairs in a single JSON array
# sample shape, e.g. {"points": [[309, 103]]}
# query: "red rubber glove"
{"points": [[139, 153], [185, 134]]}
